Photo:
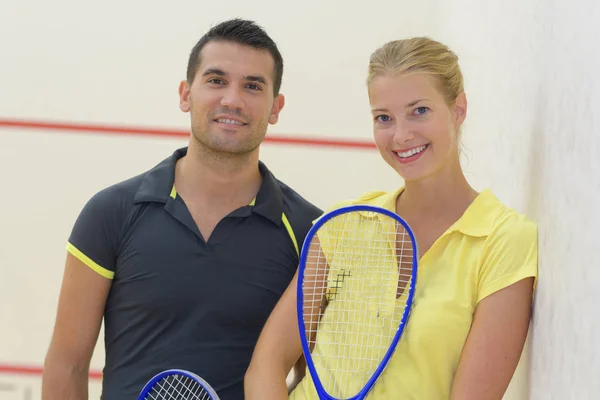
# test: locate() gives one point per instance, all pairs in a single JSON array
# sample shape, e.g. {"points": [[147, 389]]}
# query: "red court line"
{"points": [[99, 128], [23, 370]]}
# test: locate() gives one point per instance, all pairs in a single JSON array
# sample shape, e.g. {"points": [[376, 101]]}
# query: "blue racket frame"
{"points": [[158, 377], [323, 395]]}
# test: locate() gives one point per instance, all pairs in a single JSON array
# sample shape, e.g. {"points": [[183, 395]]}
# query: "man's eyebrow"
{"points": [[220, 72], [256, 78], [214, 71]]}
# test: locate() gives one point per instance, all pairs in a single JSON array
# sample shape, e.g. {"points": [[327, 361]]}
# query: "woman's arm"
{"points": [[276, 352], [494, 345], [279, 346]]}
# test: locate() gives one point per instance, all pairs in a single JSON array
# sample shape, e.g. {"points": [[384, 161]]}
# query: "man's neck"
{"points": [[221, 179]]}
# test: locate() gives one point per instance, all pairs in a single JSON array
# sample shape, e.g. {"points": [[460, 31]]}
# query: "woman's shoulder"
{"points": [[508, 221], [510, 247], [380, 198]]}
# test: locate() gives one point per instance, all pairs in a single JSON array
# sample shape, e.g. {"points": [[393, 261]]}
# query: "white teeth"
{"points": [[411, 152], [230, 121]]}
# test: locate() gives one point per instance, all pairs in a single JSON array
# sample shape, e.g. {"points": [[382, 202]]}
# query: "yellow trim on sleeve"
{"points": [[529, 271], [288, 226], [89, 262]]}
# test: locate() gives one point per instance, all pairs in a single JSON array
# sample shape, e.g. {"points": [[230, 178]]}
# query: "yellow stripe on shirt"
{"points": [[89, 262]]}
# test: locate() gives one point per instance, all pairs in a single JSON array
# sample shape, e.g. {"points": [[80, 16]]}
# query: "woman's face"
{"points": [[415, 130]]}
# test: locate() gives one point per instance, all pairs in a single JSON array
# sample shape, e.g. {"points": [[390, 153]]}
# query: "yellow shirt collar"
{"points": [[478, 220]]}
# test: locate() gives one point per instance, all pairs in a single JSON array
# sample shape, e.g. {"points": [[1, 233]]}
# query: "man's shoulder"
{"points": [[119, 192], [297, 203], [117, 197], [154, 184]]}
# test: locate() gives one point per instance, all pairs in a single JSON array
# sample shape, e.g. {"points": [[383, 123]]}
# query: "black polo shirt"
{"points": [[177, 301]]}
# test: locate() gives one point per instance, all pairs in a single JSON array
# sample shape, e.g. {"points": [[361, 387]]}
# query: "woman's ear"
{"points": [[460, 108]]}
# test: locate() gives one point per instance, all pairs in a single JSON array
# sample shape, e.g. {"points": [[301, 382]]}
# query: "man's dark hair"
{"points": [[242, 32]]}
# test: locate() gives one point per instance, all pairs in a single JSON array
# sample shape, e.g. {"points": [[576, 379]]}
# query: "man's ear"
{"points": [[184, 96], [278, 104]]}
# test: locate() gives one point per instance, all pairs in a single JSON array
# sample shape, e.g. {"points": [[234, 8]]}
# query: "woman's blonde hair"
{"points": [[419, 55]]}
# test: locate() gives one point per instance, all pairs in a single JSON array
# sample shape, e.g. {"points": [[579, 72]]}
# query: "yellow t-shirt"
{"points": [[490, 247]]}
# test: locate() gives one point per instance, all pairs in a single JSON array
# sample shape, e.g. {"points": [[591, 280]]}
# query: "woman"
{"points": [[478, 258]]}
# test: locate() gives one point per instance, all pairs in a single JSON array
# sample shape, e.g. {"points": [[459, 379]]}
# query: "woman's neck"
{"points": [[445, 195]]}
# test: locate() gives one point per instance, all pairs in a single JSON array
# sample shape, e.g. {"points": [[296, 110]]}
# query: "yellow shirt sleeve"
{"points": [[330, 230], [509, 255]]}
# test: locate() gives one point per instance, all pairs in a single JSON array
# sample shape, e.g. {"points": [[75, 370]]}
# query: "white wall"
{"points": [[531, 134]]}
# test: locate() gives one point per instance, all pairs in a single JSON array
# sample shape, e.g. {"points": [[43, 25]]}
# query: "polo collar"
{"points": [[269, 199], [481, 215], [477, 220], [158, 186]]}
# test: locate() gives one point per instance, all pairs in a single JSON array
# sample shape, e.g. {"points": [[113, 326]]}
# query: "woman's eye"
{"points": [[383, 118], [421, 110]]}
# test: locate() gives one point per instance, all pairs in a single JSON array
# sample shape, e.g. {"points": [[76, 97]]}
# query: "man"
{"points": [[186, 261]]}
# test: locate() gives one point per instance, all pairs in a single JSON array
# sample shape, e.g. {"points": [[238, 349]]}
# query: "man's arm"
{"points": [[79, 317]]}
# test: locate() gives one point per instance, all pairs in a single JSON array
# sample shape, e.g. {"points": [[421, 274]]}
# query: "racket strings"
{"points": [[178, 387], [355, 289]]}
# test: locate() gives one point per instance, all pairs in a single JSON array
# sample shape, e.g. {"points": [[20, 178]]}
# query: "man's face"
{"points": [[231, 100]]}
